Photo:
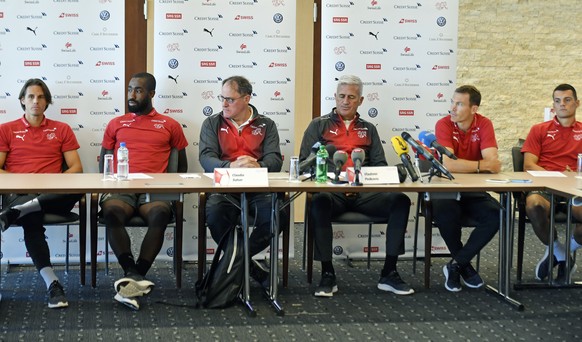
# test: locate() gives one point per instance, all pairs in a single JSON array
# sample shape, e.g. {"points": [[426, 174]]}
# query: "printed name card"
{"points": [[241, 177], [375, 175]]}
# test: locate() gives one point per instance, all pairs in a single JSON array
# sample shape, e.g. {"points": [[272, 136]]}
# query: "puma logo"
{"points": [[222, 129], [333, 132], [21, 137], [375, 35], [553, 136], [31, 30], [209, 32], [174, 78]]}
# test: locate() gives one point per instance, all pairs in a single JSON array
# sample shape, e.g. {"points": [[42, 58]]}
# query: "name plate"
{"points": [[375, 175], [241, 177]]}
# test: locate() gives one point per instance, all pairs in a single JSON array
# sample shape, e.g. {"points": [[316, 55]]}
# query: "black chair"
{"points": [[137, 221], [519, 210], [203, 236], [348, 218]]}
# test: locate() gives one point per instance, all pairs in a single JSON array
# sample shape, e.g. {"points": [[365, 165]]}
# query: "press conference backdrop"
{"points": [[77, 48], [405, 53]]}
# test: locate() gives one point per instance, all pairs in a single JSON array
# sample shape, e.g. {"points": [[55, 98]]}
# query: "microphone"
{"points": [[427, 155], [339, 159], [401, 148], [310, 160], [358, 156], [429, 139]]}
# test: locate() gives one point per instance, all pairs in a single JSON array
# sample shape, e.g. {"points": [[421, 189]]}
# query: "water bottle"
{"points": [[321, 165], [122, 162]]}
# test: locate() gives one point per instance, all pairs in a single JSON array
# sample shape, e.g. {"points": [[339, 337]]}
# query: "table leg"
{"points": [[274, 255], [504, 252], [246, 297]]}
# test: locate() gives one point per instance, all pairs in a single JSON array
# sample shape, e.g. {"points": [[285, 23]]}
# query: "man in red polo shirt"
{"points": [[150, 137], [554, 146], [470, 136], [37, 144]]}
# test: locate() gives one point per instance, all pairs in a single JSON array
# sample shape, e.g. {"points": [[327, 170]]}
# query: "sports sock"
{"points": [[48, 275], [143, 266], [559, 251], [127, 262], [389, 265], [574, 245], [327, 267]]}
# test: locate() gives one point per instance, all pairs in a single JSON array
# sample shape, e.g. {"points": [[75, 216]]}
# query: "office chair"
{"points": [[203, 236], [347, 218], [177, 223]]}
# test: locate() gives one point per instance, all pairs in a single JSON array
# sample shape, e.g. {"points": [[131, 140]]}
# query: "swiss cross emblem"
{"points": [[362, 134]]}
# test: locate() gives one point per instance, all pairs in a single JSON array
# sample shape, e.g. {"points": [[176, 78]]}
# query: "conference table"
{"points": [[195, 183]]}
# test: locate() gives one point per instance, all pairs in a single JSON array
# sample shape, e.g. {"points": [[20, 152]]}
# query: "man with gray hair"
{"points": [[346, 130]]}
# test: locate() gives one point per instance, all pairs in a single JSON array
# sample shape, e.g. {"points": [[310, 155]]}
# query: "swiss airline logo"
{"points": [[104, 63], [341, 20], [208, 64], [1, 15], [277, 65], [244, 17], [440, 67], [406, 112], [30, 63], [68, 110], [407, 21], [173, 15], [373, 66], [69, 15]]}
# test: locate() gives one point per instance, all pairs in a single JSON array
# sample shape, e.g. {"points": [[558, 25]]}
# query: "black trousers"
{"points": [[325, 206], [32, 223], [222, 212], [448, 213]]}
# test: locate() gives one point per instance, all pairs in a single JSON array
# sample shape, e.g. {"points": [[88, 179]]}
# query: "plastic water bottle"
{"points": [[321, 165], [122, 162]]}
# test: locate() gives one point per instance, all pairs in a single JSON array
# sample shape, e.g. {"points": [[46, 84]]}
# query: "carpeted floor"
{"points": [[357, 312]]}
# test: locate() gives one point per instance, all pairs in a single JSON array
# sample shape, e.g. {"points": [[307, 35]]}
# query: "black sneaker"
{"points": [[259, 271], [393, 283], [470, 277], [133, 285], [7, 217], [561, 277], [327, 286], [452, 276], [56, 296], [542, 266]]}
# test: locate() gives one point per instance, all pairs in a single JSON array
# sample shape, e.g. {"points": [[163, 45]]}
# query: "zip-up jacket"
{"points": [[221, 142], [331, 129]]}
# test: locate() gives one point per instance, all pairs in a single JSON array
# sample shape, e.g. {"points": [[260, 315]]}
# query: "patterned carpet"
{"points": [[357, 312]]}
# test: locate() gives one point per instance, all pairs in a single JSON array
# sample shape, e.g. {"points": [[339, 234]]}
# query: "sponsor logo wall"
{"points": [[405, 53], [197, 44], [77, 48]]}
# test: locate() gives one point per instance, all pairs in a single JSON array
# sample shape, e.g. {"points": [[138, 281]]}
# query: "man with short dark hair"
{"points": [[37, 144], [554, 146], [471, 137], [149, 137]]}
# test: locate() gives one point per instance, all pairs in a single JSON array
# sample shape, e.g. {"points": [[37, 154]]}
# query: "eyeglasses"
{"points": [[228, 100]]}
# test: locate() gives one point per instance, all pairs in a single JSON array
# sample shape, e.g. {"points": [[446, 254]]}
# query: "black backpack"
{"points": [[221, 285]]}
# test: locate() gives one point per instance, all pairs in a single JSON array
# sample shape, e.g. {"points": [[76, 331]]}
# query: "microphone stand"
{"points": [[417, 167], [356, 181]]}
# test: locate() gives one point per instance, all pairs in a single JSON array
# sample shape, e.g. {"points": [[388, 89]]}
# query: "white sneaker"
{"points": [[131, 303]]}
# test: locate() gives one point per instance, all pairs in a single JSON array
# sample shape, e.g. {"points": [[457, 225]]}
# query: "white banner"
{"points": [[197, 45], [77, 48], [405, 53]]}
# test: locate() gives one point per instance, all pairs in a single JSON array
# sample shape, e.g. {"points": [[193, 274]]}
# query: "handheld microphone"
{"points": [[427, 155], [310, 160], [401, 148], [339, 159], [358, 156], [429, 139]]}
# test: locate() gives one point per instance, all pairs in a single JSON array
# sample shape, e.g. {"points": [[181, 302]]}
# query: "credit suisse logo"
{"points": [[340, 20], [173, 16]]}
